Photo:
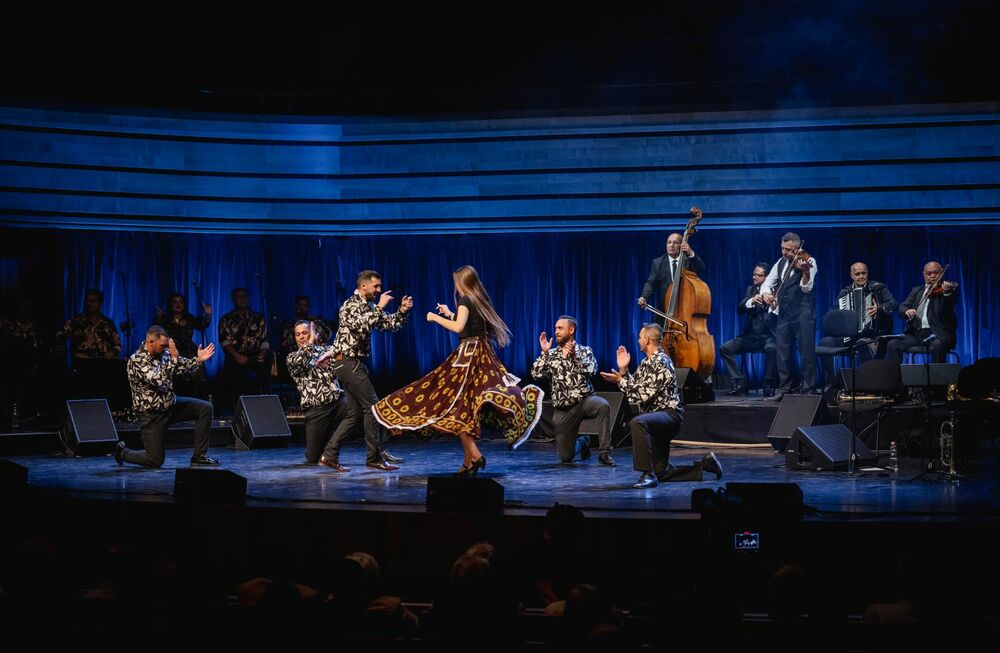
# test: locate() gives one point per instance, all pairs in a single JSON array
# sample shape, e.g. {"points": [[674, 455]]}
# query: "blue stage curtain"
{"points": [[533, 278]]}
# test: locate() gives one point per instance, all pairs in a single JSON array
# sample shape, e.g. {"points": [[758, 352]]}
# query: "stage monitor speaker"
{"points": [[460, 494], [824, 448], [616, 401], [794, 411], [693, 389], [941, 374], [209, 486], [90, 429], [260, 423], [13, 477]]}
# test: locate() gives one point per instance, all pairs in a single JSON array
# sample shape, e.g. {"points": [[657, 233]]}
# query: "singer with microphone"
{"points": [[930, 313]]}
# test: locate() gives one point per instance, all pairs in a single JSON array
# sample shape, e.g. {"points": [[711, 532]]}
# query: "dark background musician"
{"points": [[180, 326], [883, 307], [757, 335], [664, 268], [934, 316]]}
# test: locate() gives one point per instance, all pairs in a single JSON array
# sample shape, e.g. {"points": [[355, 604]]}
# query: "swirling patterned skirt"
{"points": [[469, 390]]}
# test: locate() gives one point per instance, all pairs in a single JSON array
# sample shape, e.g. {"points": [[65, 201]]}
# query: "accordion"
{"points": [[860, 302]]}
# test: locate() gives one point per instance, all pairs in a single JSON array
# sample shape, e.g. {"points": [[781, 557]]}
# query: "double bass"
{"points": [[687, 305]]}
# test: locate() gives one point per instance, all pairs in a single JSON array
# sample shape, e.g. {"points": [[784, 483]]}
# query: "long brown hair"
{"points": [[467, 278]]}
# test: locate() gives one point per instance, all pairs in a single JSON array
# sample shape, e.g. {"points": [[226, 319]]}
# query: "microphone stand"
{"points": [[852, 447], [128, 328]]}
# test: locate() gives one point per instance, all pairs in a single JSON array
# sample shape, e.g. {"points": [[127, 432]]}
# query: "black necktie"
{"points": [[673, 270]]}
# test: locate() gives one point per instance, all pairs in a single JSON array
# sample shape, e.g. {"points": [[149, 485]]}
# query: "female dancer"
{"points": [[471, 388]]}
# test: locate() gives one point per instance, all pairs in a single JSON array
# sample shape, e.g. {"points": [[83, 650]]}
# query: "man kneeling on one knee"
{"points": [[570, 366], [654, 388], [150, 374]]}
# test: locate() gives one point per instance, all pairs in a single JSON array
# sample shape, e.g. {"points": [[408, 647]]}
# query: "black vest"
{"points": [[791, 300]]}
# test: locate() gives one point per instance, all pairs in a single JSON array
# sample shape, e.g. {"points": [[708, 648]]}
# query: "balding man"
{"points": [[665, 269], [883, 307], [654, 388], [931, 319]]}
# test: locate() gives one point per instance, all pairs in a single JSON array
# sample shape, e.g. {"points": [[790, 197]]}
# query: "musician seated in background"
{"points": [[788, 291], [930, 311], [243, 332], [180, 326], [873, 301], [757, 335], [664, 270], [98, 369]]}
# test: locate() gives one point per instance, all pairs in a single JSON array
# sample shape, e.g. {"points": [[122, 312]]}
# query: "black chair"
{"points": [[910, 354], [840, 325]]}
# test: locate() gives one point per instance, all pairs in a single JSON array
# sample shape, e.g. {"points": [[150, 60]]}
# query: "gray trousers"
{"points": [[353, 378], [651, 437], [154, 427], [320, 423], [566, 423]]}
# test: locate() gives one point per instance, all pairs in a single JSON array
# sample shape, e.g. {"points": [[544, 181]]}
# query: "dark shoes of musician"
{"points": [[647, 480], [333, 464], [382, 466], [389, 458], [607, 460], [120, 452], [711, 464], [768, 391], [736, 390], [777, 395], [203, 459], [584, 442]]}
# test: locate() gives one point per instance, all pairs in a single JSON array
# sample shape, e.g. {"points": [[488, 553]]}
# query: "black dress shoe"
{"points": [[203, 459], [777, 396], [382, 466], [736, 391], [584, 447], [768, 391], [389, 458], [647, 480], [120, 452], [710, 463], [607, 460]]}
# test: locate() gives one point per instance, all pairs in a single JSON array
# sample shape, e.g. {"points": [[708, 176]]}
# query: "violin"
{"points": [[938, 288]]}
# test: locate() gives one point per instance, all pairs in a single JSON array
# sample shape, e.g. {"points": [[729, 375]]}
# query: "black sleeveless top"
{"points": [[475, 326]]}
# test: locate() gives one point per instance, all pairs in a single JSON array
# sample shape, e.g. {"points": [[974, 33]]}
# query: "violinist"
{"points": [[788, 292], [930, 314]]}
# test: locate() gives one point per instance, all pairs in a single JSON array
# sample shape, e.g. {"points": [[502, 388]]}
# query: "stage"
{"points": [[533, 480]]}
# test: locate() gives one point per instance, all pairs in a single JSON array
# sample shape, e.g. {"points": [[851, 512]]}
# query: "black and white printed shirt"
{"points": [[358, 317], [570, 375], [654, 384], [151, 379], [317, 385], [245, 331]]}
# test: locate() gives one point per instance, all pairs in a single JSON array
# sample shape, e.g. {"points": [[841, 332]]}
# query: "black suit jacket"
{"points": [[883, 298], [940, 314], [757, 323], [659, 277]]}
